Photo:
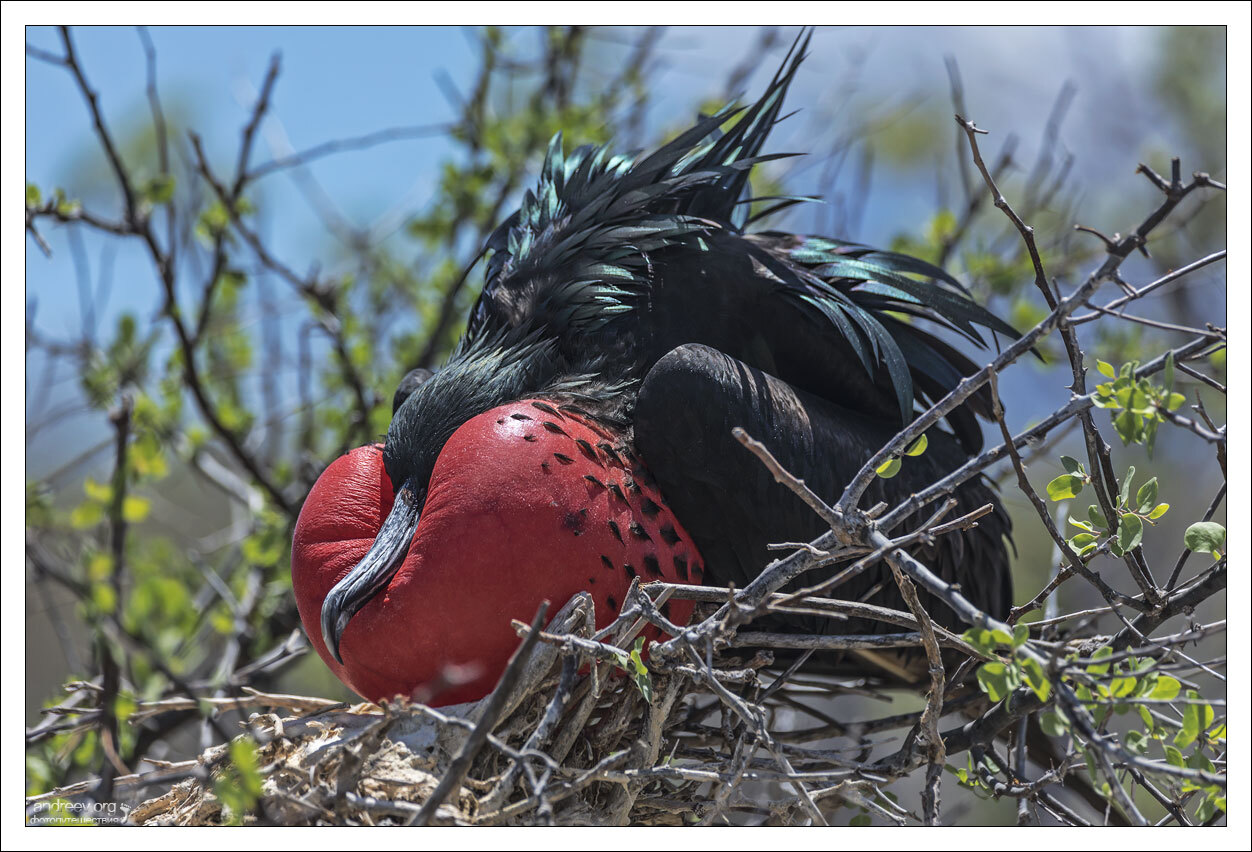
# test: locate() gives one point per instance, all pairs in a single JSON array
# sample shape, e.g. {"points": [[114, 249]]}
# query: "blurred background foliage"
{"points": [[177, 414]]}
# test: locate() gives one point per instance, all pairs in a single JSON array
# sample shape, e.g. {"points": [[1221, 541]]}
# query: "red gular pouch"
{"points": [[527, 502]]}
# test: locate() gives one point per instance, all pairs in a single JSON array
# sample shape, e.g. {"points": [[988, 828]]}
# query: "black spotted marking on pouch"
{"points": [[612, 603], [530, 438], [573, 521], [591, 580], [697, 571], [553, 428], [680, 566], [588, 450], [608, 563], [520, 416], [648, 507], [593, 480], [639, 532], [617, 492], [651, 565], [617, 531], [629, 569], [667, 533], [545, 467], [500, 422], [611, 453], [547, 409], [562, 458]]}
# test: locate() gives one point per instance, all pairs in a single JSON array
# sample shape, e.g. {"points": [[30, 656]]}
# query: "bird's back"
{"points": [[626, 262]]}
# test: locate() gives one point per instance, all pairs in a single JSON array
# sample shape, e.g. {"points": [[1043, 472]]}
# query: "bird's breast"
{"points": [[526, 502]]}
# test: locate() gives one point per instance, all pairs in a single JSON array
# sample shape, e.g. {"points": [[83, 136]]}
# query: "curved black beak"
{"points": [[372, 574]]}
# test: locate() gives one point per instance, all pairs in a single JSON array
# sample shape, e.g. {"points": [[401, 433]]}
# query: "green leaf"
{"points": [[1166, 689], [1147, 495], [99, 567], [1104, 397], [1036, 679], [1100, 654], [1002, 637], [889, 468], [1195, 719], [1137, 742], [1082, 525], [1071, 464], [1197, 760], [1149, 435], [1106, 369], [1065, 486], [159, 190], [918, 447], [1174, 757], [33, 195], [639, 671], [1054, 723], [1121, 687], [1127, 426], [1097, 517], [1159, 511], [1147, 683], [103, 596], [135, 509], [997, 680], [1130, 533], [860, 821], [1124, 494], [1021, 633], [1205, 537], [101, 492], [87, 514], [1081, 540], [981, 639], [1175, 400], [1169, 371]]}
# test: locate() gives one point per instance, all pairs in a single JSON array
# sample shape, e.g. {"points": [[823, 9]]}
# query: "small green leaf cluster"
{"points": [[157, 190], [973, 776], [634, 666], [1001, 677], [61, 203], [1139, 402], [214, 220], [122, 365], [891, 466], [1109, 687], [1133, 512]]}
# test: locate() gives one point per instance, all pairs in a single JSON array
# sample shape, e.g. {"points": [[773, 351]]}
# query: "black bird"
{"points": [[628, 306]]}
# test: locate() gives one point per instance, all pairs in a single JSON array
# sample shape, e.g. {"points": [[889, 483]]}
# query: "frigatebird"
{"points": [[579, 435]]}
